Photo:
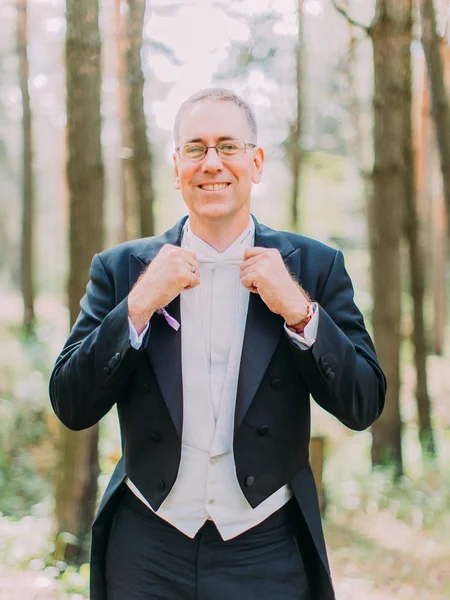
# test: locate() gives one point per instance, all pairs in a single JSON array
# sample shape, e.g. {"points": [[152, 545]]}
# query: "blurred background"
{"points": [[352, 100]]}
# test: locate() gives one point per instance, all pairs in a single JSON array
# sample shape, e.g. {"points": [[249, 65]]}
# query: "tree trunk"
{"points": [[142, 160], [440, 108], [416, 258], [296, 126], [27, 173], [439, 220], [390, 46], [77, 483], [439, 252], [130, 228]]}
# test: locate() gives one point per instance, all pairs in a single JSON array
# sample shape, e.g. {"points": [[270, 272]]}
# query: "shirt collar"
{"points": [[236, 248]]}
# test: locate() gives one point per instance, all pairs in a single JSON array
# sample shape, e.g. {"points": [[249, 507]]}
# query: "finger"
{"points": [[249, 282], [248, 270], [188, 253], [250, 261], [254, 251], [192, 281], [193, 263]]}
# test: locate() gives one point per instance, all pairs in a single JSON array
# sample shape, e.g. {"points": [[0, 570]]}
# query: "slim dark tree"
{"points": [[440, 105], [141, 154], [293, 144], [130, 217], [386, 204], [77, 483], [416, 254], [27, 267]]}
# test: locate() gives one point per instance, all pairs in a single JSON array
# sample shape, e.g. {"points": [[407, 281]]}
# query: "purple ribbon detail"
{"points": [[170, 320]]}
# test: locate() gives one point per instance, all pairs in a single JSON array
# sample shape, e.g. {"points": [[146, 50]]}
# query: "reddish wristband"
{"points": [[300, 326]]}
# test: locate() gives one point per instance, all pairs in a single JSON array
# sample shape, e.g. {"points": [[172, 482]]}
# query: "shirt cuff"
{"points": [[135, 339], [308, 337]]}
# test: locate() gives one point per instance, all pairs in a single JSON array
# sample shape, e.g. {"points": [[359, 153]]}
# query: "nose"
{"points": [[212, 161]]}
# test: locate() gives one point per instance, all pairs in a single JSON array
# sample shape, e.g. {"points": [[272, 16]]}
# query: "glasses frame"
{"points": [[238, 155]]}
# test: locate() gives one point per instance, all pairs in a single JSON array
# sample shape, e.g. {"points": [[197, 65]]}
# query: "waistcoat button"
{"points": [[249, 481], [146, 387], [160, 485], [276, 384], [263, 430], [155, 436]]}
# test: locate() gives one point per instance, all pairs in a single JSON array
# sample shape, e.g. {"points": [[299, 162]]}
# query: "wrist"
{"points": [[298, 309], [298, 326], [138, 313]]}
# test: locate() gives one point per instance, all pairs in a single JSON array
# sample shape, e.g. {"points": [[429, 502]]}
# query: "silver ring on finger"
{"points": [[193, 269]]}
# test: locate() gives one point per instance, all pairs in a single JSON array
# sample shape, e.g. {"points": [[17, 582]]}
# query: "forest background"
{"points": [[354, 116]]}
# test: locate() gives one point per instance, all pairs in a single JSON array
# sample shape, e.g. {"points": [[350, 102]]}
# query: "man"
{"points": [[210, 339]]}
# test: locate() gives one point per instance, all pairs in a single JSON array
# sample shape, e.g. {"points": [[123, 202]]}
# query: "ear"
{"points": [[176, 176], [258, 163]]}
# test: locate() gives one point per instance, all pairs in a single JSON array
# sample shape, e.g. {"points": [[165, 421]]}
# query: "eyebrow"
{"points": [[222, 138]]}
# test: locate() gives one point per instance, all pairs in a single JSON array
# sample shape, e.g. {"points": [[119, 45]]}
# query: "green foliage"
{"points": [[76, 581], [26, 450], [421, 503]]}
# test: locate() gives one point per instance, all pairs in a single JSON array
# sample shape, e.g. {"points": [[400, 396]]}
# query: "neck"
{"points": [[219, 234]]}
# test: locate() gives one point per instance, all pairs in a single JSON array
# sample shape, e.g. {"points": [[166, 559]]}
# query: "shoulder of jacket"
{"points": [[311, 245], [117, 254]]}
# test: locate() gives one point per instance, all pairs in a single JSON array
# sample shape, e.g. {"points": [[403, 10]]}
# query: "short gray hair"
{"points": [[223, 95]]}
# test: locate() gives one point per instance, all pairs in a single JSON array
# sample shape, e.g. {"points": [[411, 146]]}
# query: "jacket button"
{"points": [[146, 387], [249, 481], [276, 384], [118, 356], [325, 363], [263, 430], [329, 374], [155, 436], [160, 485], [107, 371]]}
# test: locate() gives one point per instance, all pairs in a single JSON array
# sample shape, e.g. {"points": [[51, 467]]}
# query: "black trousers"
{"points": [[148, 559]]}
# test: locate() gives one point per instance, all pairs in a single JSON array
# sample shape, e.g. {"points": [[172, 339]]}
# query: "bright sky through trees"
{"points": [[199, 33]]}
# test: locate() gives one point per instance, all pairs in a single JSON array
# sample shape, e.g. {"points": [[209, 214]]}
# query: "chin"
{"points": [[214, 212]]}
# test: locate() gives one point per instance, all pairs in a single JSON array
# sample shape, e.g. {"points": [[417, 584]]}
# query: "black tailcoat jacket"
{"points": [[98, 368]]}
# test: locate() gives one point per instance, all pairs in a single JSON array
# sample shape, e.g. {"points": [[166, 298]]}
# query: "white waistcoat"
{"points": [[213, 317]]}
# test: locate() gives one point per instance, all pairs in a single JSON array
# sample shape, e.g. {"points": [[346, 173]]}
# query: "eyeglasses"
{"points": [[226, 149]]}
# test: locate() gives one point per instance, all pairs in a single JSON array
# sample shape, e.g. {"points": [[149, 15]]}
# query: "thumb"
{"points": [[254, 251]]}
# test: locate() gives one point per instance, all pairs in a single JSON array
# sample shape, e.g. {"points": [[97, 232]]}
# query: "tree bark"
{"points": [[130, 217], [416, 257], [78, 473], [27, 270], [295, 145], [440, 108], [141, 158], [439, 239], [390, 46], [439, 252]]}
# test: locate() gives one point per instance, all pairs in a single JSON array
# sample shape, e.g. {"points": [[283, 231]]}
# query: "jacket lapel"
{"points": [[262, 332], [263, 328], [164, 343]]}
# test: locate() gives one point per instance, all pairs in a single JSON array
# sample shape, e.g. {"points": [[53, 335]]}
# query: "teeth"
{"points": [[214, 187]]}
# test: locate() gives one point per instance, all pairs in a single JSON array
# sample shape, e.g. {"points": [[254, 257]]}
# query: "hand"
{"points": [[264, 272], [166, 276]]}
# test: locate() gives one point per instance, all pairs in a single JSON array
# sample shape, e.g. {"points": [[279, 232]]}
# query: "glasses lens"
{"points": [[230, 148], [193, 151]]}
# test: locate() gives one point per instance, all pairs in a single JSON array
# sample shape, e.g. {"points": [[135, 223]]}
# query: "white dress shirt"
{"points": [[213, 317]]}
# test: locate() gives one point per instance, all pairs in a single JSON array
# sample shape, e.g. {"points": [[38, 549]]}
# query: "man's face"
{"points": [[209, 122]]}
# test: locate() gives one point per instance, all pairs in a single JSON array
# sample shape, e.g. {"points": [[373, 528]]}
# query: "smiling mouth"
{"points": [[214, 187]]}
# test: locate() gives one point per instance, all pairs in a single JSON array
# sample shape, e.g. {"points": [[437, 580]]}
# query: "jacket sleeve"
{"points": [[92, 371], [341, 369]]}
